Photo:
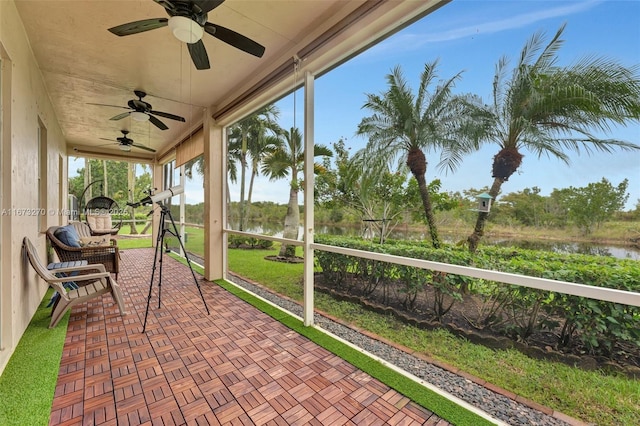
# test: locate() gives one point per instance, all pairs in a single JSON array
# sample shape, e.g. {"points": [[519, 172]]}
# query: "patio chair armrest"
{"points": [[87, 277], [94, 266]]}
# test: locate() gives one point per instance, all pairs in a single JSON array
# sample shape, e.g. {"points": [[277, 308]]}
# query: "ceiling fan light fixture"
{"points": [[185, 30], [139, 116], [125, 148]]}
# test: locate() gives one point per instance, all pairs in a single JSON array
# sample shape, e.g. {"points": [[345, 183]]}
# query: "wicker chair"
{"points": [[109, 256]]}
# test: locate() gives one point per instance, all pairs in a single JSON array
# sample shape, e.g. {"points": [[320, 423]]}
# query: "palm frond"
{"points": [[427, 76], [498, 79], [276, 165], [587, 97], [549, 55]]}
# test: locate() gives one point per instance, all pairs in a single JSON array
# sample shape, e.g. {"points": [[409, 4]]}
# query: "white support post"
{"points": [[214, 198], [157, 180], [308, 197], [183, 200]]}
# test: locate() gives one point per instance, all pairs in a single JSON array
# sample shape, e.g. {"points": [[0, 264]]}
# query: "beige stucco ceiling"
{"points": [[82, 63]]}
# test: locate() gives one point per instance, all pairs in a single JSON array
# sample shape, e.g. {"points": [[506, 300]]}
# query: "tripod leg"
{"points": [[161, 245], [193, 274], [153, 270]]}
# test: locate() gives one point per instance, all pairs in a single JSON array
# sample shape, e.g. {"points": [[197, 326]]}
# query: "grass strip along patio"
{"points": [[29, 380]]}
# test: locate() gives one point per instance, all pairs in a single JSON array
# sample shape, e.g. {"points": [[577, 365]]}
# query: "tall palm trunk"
{"points": [[105, 186], [252, 179], [291, 221], [505, 164], [428, 210], [243, 177], [87, 178], [131, 179], [417, 163], [478, 230]]}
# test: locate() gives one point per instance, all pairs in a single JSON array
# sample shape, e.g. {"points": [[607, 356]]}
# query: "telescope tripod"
{"points": [[162, 231]]}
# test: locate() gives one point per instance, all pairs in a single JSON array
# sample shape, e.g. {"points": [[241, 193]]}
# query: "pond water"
{"points": [[621, 252]]}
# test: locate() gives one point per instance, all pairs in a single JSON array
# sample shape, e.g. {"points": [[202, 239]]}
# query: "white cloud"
{"points": [[456, 31]]}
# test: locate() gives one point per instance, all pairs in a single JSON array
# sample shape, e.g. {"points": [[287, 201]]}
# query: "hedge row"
{"points": [[598, 327], [236, 241]]}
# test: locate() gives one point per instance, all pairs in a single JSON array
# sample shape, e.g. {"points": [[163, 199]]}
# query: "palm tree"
{"points": [[245, 141], [404, 124], [197, 164], [234, 146], [87, 178], [250, 130], [287, 159], [105, 184], [260, 148], [131, 181], [548, 109]]}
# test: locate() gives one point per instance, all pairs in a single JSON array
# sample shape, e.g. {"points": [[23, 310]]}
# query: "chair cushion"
{"points": [[68, 235], [100, 222], [97, 241]]}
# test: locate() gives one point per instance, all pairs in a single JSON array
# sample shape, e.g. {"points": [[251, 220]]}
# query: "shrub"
{"points": [[598, 326]]}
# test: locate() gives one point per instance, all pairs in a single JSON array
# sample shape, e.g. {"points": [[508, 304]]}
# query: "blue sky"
{"points": [[471, 36]]}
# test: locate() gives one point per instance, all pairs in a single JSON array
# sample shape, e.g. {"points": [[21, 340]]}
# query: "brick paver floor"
{"points": [[235, 366]]}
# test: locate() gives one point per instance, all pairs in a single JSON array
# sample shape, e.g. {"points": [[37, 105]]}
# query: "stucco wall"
{"points": [[25, 108]]}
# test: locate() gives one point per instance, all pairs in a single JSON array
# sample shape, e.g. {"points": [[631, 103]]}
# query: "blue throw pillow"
{"points": [[68, 235]]}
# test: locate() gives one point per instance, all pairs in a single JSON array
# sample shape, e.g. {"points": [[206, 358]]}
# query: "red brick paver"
{"points": [[234, 366]]}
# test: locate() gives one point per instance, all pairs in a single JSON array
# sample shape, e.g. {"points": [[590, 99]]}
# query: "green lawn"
{"points": [[194, 242], [134, 243]]}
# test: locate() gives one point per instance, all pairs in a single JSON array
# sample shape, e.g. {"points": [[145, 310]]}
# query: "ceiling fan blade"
{"points": [[234, 39], [105, 139], [167, 115], [139, 26], [208, 5], [114, 106], [135, 145], [120, 116], [199, 55], [159, 124]]}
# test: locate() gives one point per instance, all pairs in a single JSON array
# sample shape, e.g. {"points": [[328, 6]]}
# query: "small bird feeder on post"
{"points": [[484, 202]]}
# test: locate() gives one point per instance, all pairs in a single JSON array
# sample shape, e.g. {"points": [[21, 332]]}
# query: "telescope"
{"points": [[159, 196], [163, 229]]}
